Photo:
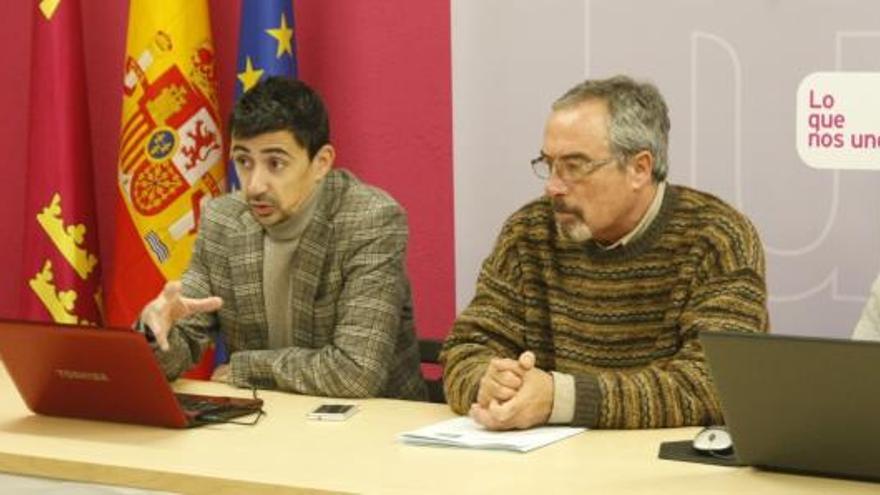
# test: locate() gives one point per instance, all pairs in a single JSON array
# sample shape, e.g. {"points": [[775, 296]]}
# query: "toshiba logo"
{"points": [[94, 376]]}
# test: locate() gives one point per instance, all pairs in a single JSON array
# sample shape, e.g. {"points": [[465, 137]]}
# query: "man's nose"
{"points": [[555, 186], [256, 181]]}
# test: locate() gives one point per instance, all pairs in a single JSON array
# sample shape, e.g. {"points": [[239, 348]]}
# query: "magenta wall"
{"points": [[383, 66]]}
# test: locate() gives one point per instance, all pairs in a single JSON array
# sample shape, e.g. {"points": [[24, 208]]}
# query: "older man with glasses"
{"points": [[587, 311]]}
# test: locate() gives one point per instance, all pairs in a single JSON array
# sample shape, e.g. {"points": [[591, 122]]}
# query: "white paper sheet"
{"points": [[464, 432]]}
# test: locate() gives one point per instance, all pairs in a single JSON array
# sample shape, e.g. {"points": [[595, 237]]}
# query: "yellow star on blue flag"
{"points": [[284, 35], [250, 76]]}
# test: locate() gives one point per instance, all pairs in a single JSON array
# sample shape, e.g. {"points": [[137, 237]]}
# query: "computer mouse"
{"points": [[713, 439]]}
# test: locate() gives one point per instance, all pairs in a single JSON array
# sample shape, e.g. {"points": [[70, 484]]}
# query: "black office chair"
{"points": [[429, 352]]}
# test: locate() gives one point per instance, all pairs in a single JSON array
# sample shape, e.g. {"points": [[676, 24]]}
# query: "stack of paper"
{"points": [[464, 432]]}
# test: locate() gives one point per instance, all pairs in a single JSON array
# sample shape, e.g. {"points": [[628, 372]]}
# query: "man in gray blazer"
{"points": [[302, 272]]}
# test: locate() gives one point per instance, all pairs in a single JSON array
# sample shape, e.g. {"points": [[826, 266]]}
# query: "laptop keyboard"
{"points": [[195, 405], [205, 409]]}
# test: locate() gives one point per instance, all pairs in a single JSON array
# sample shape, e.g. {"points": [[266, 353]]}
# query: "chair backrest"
{"points": [[429, 352]]}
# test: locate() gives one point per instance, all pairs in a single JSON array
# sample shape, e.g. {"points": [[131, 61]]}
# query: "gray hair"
{"points": [[639, 116]]}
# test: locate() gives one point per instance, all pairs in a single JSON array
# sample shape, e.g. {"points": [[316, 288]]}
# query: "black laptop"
{"points": [[800, 404]]}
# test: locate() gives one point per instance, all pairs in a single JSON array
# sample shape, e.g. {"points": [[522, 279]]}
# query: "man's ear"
{"points": [[323, 161], [642, 169]]}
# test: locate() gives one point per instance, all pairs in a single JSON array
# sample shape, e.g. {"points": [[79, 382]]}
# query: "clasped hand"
{"points": [[513, 394], [170, 306]]}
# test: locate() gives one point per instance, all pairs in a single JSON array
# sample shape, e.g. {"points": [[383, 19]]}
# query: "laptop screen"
{"points": [[799, 403]]}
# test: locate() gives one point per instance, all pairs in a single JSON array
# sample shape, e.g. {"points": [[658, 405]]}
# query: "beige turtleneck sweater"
{"points": [[279, 246]]}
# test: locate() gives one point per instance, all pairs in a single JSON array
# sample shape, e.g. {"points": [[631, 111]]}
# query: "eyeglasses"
{"points": [[570, 169]]}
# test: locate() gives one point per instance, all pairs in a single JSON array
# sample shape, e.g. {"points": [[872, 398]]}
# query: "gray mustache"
{"points": [[560, 207]]}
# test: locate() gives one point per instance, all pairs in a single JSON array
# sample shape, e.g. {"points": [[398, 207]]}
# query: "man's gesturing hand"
{"points": [[170, 306]]}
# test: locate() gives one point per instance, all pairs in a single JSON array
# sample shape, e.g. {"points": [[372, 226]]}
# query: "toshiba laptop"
{"points": [[103, 374], [798, 403]]}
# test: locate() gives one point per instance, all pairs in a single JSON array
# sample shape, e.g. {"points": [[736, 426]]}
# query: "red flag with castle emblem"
{"points": [[170, 149], [61, 242]]}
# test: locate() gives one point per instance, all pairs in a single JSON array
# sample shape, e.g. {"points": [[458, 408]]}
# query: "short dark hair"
{"points": [[282, 104]]}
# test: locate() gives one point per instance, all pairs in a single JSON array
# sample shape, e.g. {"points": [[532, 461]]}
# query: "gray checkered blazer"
{"points": [[352, 323]]}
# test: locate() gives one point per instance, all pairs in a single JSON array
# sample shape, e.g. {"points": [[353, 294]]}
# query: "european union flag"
{"points": [[266, 48]]}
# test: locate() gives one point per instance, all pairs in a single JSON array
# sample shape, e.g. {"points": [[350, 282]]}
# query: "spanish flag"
{"points": [[170, 150], [62, 274]]}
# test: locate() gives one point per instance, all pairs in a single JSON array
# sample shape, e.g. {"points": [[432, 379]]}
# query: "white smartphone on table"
{"points": [[333, 412]]}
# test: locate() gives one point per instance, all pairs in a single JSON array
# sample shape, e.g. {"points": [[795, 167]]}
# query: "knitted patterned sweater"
{"points": [[624, 322]]}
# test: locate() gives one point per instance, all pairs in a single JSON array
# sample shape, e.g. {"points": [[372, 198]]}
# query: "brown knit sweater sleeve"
{"points": [[491, 326]]}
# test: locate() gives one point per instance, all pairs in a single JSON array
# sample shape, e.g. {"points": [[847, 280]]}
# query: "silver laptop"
{"points": [[798, 403]]}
